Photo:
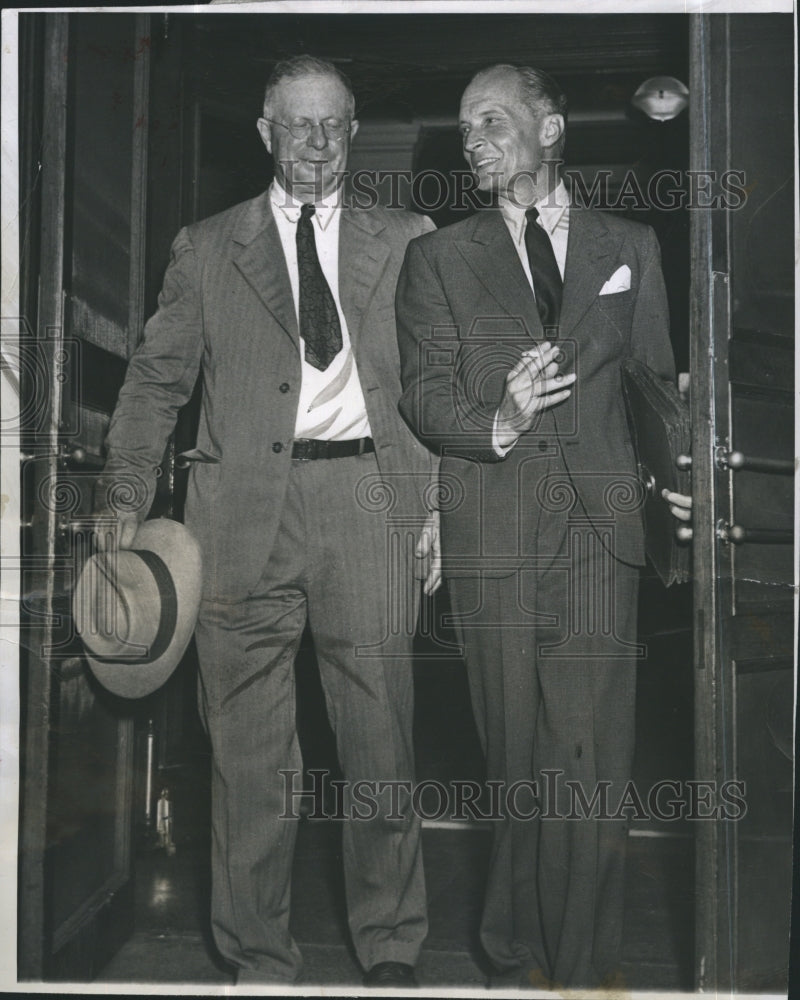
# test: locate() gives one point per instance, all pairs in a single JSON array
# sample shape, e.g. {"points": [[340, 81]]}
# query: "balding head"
{"points": [[512, 125]]}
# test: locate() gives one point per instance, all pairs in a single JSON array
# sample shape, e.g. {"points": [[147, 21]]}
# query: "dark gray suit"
{"points": [[541, 549], [282, 540]]}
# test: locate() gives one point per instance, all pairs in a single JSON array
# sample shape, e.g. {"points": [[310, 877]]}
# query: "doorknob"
{"points": [[72, 453], [761, 536], [737, 534], [753, 463]]}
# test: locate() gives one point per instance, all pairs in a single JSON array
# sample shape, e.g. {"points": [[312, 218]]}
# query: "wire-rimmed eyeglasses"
{"points": [[300, 128]]}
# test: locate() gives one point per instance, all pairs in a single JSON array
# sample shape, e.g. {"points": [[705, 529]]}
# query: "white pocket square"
{"points": [[620, 281]]}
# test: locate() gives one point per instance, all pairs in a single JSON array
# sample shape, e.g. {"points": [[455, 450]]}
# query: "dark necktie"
{"points": [[319, 320], [547, 282]]}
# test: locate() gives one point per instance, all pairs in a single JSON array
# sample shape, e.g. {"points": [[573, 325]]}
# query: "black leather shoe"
{"points": [[390, 974]]}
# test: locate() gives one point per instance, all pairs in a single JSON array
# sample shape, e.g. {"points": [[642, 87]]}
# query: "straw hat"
{"points": [[135, 609]]}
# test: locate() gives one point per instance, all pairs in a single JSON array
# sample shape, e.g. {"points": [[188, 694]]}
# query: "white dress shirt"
{"points": [[554, 219], [331, 406]]}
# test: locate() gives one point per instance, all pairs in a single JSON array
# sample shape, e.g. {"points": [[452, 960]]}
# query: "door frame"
{"points": [[35, 730], [717, 841], [97, 924]]}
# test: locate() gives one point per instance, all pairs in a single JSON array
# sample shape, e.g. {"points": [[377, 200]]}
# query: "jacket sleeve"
{"points": [[437, 403], [650, 341], [160, 378], [427, 225]]}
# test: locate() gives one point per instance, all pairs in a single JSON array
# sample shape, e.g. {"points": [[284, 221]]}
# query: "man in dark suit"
{"points": [[513, 326], [285, 306]]}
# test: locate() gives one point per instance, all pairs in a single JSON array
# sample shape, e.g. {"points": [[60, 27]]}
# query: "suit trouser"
{"points": [[554, 900], [330, 563]]}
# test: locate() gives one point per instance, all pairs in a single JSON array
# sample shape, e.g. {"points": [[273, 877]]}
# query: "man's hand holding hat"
{"points": [[120, 536]]}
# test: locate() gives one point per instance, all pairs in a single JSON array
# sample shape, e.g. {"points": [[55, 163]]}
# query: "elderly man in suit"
{"points": [[285, 307], [513, 326]]}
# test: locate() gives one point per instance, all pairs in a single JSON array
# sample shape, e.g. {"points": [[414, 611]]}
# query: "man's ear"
{"points": [[551, 130], [353, 128], [264, 131]]}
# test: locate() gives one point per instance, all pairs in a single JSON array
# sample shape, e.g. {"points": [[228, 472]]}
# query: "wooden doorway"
{"points": [[87, 207], [121, 171], [742, 362]]}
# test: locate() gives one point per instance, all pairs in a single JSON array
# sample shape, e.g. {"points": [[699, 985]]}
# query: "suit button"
{"points": [[283, 387], [542, 446], [277, 447]]}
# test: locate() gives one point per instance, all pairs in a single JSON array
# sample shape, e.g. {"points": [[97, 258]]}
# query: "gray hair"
{"points": [[305, 65]]}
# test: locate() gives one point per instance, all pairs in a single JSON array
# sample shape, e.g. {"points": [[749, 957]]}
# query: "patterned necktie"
{"points": [[319, 320], [547, 282]]}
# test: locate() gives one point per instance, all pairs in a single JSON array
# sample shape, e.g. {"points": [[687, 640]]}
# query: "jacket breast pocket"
{"points": [[616, 298]]}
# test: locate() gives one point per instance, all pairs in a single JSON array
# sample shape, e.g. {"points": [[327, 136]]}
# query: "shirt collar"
{"points": [[551, 210], [290, 206]]}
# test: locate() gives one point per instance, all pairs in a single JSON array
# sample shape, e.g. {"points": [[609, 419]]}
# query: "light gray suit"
{"points": [[282, 540]]}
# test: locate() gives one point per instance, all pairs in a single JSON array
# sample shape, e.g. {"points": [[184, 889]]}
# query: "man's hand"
{"points": [[429, 554], [116, 534], [680, 505], [533, 384]]}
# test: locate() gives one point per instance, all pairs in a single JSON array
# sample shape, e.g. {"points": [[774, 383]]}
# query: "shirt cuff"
{"points": [[499, 449]]}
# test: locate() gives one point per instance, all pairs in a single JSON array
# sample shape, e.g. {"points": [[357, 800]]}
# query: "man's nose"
{"points": [[473, 140], [317, 137]]}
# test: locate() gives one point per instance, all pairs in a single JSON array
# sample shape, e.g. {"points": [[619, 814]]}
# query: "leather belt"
{"points": [[308, 449]]}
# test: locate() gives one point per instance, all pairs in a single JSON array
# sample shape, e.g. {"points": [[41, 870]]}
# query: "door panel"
{"points": [[76, 901], [743, 484], [762, 427]]}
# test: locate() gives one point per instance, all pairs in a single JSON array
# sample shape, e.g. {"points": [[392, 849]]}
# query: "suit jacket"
{"points": [[465, 313], [226, 310]]}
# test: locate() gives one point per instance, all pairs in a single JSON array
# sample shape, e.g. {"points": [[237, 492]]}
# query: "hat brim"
{"points": [[174, 544]]}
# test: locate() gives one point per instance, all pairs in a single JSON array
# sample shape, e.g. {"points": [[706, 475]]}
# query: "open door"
{"points": [[84, 83], [742, 364]]}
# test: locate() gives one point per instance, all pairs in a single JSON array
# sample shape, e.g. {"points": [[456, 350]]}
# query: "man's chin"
{"points": [[488, 182], [488, 177], [313, 190]]}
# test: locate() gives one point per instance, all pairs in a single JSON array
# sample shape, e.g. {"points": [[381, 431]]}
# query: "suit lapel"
{"points": [[258, 254], [491, 255], [362, 259], [590, 249]]}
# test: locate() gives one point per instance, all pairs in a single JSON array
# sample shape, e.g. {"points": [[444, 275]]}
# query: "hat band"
{"points": [[169, 611]]}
